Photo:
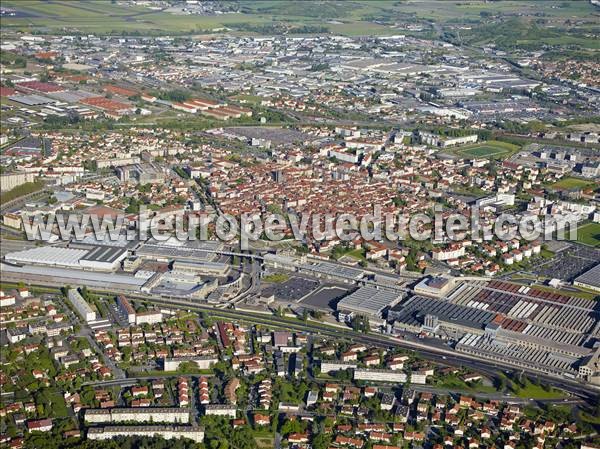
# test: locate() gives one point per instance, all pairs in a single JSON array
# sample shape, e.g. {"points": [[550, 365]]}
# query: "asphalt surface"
{"points": [[430, 349]]}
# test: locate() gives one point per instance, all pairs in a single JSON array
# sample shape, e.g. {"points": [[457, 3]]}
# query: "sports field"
{"points": [[491, 149], [589, 234]]}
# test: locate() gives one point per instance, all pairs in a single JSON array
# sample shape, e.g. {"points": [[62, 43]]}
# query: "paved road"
{"points": [[431, 349], [86, 332], [11, 246]]}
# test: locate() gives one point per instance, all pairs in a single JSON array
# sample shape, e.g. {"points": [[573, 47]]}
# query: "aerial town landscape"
{"points": [[276, 224]]}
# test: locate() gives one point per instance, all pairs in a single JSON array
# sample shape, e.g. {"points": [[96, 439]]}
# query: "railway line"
{"points": [[432, 350]]}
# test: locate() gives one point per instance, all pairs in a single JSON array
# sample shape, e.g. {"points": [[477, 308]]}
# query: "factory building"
{"points": [[103, 258], [589, 367], [450, 320], [201, 268], [98, 258], [369, 301], [49, 256], [323, 270], [512, 324], [590, 279], [434, 286]]}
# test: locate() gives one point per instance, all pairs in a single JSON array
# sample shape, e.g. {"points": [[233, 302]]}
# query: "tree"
{"points": [[321, 441]]}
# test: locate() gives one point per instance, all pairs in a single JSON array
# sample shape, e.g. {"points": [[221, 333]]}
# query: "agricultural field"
{"points": [[589, 234], [102, 17], [358, 17], [491, 149]]}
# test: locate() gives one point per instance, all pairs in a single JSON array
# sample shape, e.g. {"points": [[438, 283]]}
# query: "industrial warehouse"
{"points": [[590, 279], [368, 301], [508, 323], [155, 267], [98, 258]]}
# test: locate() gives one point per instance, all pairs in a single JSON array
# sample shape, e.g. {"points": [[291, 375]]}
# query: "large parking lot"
{"points": [[293, 289], [325, 298], [570, 263]]}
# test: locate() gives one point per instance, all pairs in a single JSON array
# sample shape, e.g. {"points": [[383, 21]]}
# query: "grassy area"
{"points": [[576, 294], [589, 418], [570, 183], [357, 253], [276, 278], [103, 17], [22, 190], [455, 383], [250, 99], [589, 234], [531, 390], [264, 442], [353, 17], [491, 149]]}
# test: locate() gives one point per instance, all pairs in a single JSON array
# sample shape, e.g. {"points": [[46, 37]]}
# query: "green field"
{"points": [[105, 17], [589, 234], [491, 149], [264, 442], [352, 17], [538, 392], [276, 278], [572, 183]]}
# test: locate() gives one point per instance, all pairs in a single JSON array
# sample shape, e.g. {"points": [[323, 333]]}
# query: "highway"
{"points": [[430, 349]]}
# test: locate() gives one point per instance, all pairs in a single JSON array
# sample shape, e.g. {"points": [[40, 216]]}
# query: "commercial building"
{"points": [[81, 306], [194, 433]]}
